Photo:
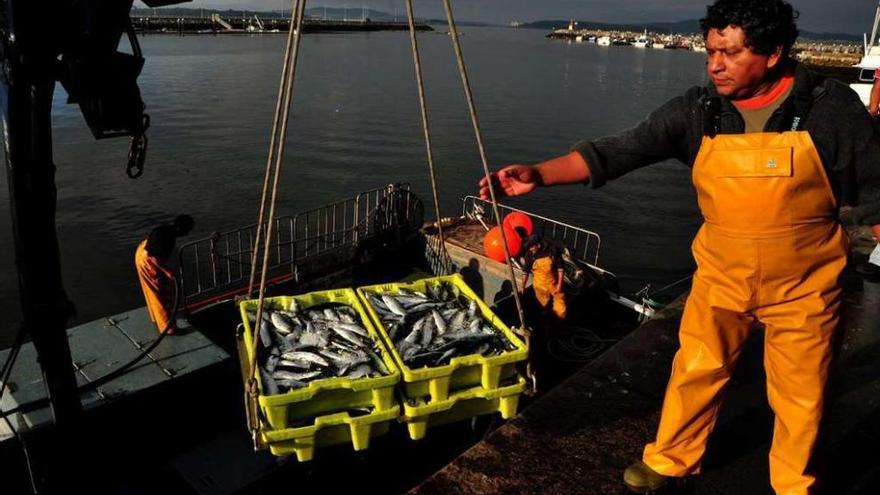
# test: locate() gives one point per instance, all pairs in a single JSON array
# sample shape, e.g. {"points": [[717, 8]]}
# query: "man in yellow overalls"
{"points": [[542, 261], [151, 260], [774, 150]]}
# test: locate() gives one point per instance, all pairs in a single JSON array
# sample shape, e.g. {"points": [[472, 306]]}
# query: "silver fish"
{"points": [[439, 321], [269, 385], [393, 305], [305, 356], [271, 362], [330, 315], [265, 335], [281, 323], [472, 308], [288, 375], [354, 329], [349, 336], [303, 365], [359, 371]]}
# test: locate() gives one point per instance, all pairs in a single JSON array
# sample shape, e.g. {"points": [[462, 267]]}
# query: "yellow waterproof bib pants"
{"points": [[150, 272], [770, 250], [544, 283]]}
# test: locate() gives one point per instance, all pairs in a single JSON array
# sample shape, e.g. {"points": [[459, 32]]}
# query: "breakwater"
{"points": [[217, 24]]}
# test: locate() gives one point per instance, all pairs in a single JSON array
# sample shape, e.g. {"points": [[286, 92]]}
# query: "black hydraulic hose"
{"points": [[40, 403]]}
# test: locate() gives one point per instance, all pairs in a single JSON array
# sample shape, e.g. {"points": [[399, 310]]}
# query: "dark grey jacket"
{"points": [[845, 135]]}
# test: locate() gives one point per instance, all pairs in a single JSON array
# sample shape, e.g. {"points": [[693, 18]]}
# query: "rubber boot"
{"points": [[640, 478]]}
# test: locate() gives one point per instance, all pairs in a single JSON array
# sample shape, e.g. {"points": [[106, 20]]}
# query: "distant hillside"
{"points": [[330, 13], [681, 27]]}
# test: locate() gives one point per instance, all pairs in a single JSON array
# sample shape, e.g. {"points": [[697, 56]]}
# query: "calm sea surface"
{"points": [[356, 125]]}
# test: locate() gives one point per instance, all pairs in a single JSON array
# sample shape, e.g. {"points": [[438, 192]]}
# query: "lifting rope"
{"points": [[289, 73], [417, 62], [282, 85], [462, 71]]}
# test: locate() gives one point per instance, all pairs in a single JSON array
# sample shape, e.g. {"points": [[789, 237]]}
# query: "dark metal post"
{"points": [[26, 87]]}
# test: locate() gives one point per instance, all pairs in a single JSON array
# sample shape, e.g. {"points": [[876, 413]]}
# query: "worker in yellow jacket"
{"points": [[151, 261]]}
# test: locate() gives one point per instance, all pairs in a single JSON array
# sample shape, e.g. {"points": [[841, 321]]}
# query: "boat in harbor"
{"points": [[603, 41], [862, 74], [658, 46], [642, 41]]}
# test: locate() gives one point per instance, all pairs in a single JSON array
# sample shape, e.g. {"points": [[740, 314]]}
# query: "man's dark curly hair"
{"points": [[768, 24]]}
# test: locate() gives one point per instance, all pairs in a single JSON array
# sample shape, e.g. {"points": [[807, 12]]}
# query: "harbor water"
{"points": [[355, 125]]}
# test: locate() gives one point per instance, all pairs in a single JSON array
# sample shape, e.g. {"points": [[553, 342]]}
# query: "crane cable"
{"points": [[444, 258], [462, 71], [295, 33]]}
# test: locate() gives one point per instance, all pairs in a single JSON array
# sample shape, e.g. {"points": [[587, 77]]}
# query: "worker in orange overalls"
{"points": [[151, 261], [774, 151]]}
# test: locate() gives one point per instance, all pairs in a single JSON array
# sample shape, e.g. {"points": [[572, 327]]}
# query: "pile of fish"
{"points": [[298, 346], [432, 327]]}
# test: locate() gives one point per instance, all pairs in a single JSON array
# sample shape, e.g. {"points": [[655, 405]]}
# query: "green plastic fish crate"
{"points": [[462, 372], [333, 429], [420, 415], [329, 395]]}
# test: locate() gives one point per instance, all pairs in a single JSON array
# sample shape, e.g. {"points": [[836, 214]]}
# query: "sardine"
{"points": [[359, 371], [354, 328], [265, 335], [269, 385], [289, 375], [285, 363], [393, 305], [439, 322], [280, 323], [305, 356], [330, 315], [472, 308]]}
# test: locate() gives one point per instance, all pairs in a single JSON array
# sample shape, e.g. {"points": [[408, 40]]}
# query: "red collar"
{"points": [[782, 86]]}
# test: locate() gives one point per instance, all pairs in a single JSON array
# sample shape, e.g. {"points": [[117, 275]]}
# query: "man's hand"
{"points": [[516, 180], [512, 180]]}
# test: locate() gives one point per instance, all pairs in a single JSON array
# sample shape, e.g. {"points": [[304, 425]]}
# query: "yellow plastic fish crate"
{"points": [[333, 429], [420, 415], [329, 395], [462, 372]]}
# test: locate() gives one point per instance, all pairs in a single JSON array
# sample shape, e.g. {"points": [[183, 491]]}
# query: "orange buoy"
{"points": [[519, 222], [493, 244]]}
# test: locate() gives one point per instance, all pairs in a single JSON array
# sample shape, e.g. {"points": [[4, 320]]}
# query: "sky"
{"points": [[845, 16]]}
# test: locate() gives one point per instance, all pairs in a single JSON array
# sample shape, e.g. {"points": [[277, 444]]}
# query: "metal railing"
{"points": [[217, 268], [583, 244]]}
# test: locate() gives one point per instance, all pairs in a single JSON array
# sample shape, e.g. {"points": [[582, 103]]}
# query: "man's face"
{"points": [[734, 68]]}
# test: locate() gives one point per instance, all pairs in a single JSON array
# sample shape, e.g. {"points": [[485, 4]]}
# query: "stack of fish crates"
{"points": [[326, 411], [468, 385]]}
